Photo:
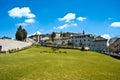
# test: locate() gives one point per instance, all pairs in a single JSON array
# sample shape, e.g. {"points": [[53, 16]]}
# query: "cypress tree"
{"points": [[21, 34]]}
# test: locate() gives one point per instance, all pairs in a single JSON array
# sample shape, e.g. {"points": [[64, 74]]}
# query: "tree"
{"points": [[71, 44], [53, 36], [25, 34], [80, 44], [64, 34], [5, 37], [21, 34], [83, 32], [61, 34]]}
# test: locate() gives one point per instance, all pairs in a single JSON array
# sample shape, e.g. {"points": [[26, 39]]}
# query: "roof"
{"points": [[99, 38], [82, 35], [112, 40]]}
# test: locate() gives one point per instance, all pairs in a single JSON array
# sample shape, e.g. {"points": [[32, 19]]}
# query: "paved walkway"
{"points": [[8, 44]]}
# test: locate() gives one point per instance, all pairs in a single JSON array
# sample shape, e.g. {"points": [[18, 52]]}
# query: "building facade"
{"points": [[88, 40], [57, 35], [99, 44], [82, 40], [44, 37]]}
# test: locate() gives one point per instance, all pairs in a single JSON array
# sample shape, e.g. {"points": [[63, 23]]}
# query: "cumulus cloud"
{"points": [[115, 24], [81, 18], [70, 21], [21, 12], [66, 26], [74, 24], [38, 32], [106, 36], [68, 17], [26, 22], [29, 21], [62, 27]]}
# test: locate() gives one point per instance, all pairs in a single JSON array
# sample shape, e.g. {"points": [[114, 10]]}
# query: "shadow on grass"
{"points": [[116, 56]]}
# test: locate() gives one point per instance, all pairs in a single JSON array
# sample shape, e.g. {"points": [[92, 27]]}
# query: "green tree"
{"points": [[24, 34], [71, 44], [5, 37], [83, 32], [53, 36], [64, 34], [80, 44], [21, 34], [61, 34]]}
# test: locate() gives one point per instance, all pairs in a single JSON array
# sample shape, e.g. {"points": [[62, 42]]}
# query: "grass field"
{"points": [[41, 63]]}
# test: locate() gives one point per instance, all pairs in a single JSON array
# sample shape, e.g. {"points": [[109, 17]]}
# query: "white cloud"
{"points": [[115, 24], [81, 18], [106, 36], [66, 26], [68, 17], [29, 21], [26, 22], [74, 24], [38, 32], [62, 27], [21, 12]]}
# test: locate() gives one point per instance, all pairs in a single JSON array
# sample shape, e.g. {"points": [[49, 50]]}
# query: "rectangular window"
{"points": [[76, 40]]}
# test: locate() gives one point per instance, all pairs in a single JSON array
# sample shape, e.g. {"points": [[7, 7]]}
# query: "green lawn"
{"points": [[40, 63]]}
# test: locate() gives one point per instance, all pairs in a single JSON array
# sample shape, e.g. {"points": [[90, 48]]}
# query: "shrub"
{"points": [[64, 52], [60, 52]]}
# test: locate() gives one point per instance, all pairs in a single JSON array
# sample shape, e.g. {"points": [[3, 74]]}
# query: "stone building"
{"points": [[81, 40], [99, 44], [88, 40], [114, 45]]}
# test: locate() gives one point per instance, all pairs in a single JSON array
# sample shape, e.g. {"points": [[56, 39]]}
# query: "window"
{"points": [[88, 35], [75, 40], [88, 44], [84, 40]]}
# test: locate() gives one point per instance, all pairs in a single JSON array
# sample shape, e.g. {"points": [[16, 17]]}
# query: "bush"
{"points": [[64, 52], [2, 51], [60, 52]]}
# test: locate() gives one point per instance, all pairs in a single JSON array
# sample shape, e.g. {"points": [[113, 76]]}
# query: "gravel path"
{"points": [[13, 44]]}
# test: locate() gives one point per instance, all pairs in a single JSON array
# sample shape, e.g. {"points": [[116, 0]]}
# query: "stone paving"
{"points": [[8, 44]]}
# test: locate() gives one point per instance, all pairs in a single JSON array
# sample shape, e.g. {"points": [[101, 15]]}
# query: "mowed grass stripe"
{"points": [[41, 63]]}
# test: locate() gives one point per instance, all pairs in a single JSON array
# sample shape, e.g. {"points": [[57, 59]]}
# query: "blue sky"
{"points": [[95, 17]]}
